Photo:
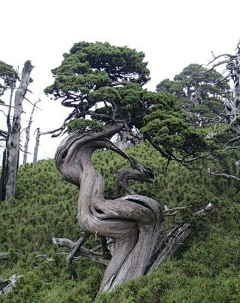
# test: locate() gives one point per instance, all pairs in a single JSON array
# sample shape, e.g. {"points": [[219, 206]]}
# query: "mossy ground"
{"points": [[206, 269]]}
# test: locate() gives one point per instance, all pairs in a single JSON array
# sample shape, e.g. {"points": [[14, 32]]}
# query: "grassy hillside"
{"points": [[205, 270]]}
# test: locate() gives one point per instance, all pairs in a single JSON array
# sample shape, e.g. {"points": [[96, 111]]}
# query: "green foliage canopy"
{"points": [[7, 76], [104, 83], [101, 81], [199, 89], [167, 129]]}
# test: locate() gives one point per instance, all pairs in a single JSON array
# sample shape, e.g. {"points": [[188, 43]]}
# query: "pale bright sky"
{"points": [[172, 34]]}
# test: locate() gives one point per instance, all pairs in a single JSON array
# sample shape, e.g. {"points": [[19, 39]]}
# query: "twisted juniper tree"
{"points": [[103, 84]]}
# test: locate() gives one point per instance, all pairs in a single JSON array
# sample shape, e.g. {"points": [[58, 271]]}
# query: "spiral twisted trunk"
{"points": [[134, 221]]}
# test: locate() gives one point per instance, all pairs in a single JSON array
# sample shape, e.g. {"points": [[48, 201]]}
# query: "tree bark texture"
{"points": [[14, 135], [134, 221]]}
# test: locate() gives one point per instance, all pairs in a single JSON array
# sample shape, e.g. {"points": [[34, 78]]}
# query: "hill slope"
{"points": [[205, 270]]}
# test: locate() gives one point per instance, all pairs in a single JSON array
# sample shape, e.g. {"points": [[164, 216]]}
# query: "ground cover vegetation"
{"points": [[206, 269]]}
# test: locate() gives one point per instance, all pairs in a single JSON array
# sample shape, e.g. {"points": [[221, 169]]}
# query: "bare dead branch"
{"points": [[44, 257], [176, 208], [231, 147], [33, 104], [83, 252], [73, 252], [61, 128], [25, 154], [13, 280], [3, 133], [177, 238], [221, 174], [206, 209], [4, 255]]}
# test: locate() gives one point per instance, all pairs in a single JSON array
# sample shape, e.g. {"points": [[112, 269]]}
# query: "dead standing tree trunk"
{"points": [[36, 148], [14, 135], [134, 222], [5, 153], [28, 134], [35, 154]]}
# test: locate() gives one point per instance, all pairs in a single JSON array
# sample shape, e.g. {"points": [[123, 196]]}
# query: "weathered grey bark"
{"points": [[82, 251], [232, 110], [175, 240], [14, 135], [6, 136], [25, 154], [13, 280], [124, 175], [35, 155], [134, 221], [75, 248], [3, 177], [4, 255], [231, 115], [128, 138]]}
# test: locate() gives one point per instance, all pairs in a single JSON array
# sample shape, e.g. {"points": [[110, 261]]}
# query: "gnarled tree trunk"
{"points": [[134, 221]]}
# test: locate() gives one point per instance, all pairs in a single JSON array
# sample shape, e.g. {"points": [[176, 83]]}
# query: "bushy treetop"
{"points": [[104, 83], [7, 76], [90, 66], [201, 86], [99, 72]]}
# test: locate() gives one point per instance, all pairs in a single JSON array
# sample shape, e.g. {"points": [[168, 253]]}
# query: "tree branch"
{"points": [[221, 174], [83, 252], [4, 255]]}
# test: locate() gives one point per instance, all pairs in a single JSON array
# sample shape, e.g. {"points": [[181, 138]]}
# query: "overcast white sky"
{"points": [[172, 34]]}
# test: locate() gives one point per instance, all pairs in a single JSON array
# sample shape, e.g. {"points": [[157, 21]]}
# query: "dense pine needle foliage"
{"points": [[206, 269]]}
